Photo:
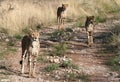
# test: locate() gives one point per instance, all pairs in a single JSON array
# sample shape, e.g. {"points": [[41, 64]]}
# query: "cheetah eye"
{"points": [[37, 34], [33, 34]]}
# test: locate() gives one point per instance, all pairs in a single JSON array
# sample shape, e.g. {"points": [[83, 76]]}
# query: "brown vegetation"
{"points": [[16, 15]]}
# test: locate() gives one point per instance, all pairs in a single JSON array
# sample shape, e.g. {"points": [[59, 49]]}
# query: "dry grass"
{"points": [[16, 15]]}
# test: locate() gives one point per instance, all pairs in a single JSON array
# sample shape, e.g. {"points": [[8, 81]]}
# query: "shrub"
{"points": [[42, 59], [100, 19], [75, 77], [115, 30], [114, 40], [69, 64], [51, 67], [66, 64], [84, 77], [62, 35], [71, 76], [25, 30], [114, 63], [17, 36], [11, 43], [59, 49], [78, 24], [80, 21], [114, 43]]}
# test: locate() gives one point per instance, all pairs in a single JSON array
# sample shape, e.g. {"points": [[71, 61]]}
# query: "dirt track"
{"points": [[90, 60]]}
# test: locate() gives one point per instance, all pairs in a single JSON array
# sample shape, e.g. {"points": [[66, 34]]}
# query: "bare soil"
{"points": [[91, 60]]}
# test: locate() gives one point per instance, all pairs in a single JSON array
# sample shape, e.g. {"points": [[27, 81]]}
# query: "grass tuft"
{"points": [[18, 36], [51, 67], [100, 19], [42, 59], [60, 49], [114, 63], [69, 64], [75, 77]]}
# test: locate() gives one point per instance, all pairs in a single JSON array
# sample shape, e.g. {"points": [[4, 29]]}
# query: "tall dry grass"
{"points": [[16, 15]]}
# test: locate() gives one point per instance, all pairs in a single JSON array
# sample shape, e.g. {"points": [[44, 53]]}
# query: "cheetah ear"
{"points": [[93, 17], [30, 29], [62, 4], [66, 5], [87, 16]]}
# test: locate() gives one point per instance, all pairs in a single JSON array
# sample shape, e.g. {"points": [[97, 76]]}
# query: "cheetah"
{"points": [[30, 47], [89, 26], [61, 14]]}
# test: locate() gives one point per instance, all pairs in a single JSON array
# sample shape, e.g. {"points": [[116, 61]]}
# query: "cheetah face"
{"points": [[34, 35], [90, 18], [65, 5]]}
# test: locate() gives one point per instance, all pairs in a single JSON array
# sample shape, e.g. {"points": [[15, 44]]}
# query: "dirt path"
{"points": [[90, 60]]}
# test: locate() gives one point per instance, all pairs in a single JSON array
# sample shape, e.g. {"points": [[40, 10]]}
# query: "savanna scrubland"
{"points": [[16, 15], [99, 63]]}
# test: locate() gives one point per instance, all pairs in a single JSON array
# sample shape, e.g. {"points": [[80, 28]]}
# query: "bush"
{"points": [[59, 49], [26, 30], [78, 24], [84, 77], [11, 43], [114, 40], [66, 64], [72, 76], [42, 59], [114, 63], [115, 30], [100, 19], [69, 64], [114, 43], [17, 36], [75, 77], [62, 35], [51, 67]]}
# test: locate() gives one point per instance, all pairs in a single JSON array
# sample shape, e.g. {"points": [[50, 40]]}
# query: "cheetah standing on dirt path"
{"points": [[89, 29], [61, 14], [30, 47]]}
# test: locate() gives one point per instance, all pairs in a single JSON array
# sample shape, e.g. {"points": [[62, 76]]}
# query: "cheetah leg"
{"points": [[23, 61], [34, 66], [58, 20], [90, 38], [30, 66]]}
